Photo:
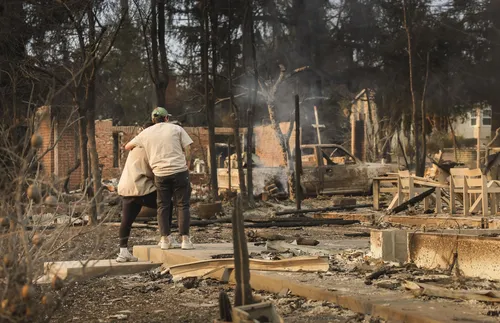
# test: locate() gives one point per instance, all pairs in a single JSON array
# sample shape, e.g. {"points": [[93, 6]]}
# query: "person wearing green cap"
{"points": [[167, 148]]}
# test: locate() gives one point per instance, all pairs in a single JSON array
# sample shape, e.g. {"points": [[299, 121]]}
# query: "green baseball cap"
{"points": [[159, 112]]}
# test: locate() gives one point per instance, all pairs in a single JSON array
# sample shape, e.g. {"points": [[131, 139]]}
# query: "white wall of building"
{"points": [[467, 127]]}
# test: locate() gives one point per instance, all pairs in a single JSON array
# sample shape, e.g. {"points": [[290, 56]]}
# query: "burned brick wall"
{"points": [[67, 150], [267, 146], [105, 147], [110, 140], [59, 125], [45, 130], [63, 129]]}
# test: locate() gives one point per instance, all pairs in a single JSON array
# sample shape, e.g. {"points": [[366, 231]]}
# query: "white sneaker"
{"points": [[126, 256], [169, 243], [186, 243], [165, 244]]}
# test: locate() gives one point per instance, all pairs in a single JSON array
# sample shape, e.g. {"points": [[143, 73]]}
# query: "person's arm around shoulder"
{"points": [[135, 142]]}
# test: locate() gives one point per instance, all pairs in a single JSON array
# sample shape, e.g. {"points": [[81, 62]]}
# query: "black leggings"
{"points": [[131, 208]]}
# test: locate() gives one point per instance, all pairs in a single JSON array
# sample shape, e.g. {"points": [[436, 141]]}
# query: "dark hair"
{"points": [[159, 119]]}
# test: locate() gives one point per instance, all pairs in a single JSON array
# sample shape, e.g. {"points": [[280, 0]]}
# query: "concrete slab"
{"points": [[392, 244], [476, 256], [203, 251], [95, 268], [392, 306], [345, 244], [389, 245]]}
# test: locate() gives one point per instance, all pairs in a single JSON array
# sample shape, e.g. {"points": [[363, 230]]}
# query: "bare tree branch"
{"points": [[113, 39]]}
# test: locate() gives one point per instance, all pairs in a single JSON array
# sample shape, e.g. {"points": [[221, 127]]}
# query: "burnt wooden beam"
{"points": [[298, 155], [325, 209], [412, 201], [303, 223]]}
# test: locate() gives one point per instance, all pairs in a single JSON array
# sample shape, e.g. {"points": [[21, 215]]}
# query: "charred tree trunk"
{"points": [[423, 115], [82, 133], [154, 52], [250, 64], [285, 152], [236, 114], [285, 148], [68, 176], [124, 5], [282, 138], [209, 103], [416, 120], [94, 157], [163, 74], [157, 38], [90, 100], [275, 25]]}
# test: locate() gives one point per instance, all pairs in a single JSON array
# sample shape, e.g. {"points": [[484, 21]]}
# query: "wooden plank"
{"points": [[477, 203], [494, 204], [459, 171], [476, 172], [474, 182], [388, 190], [429, 184], [400, 193], [95, 268], [436, 291], [453, 196], [466, 199], [484, 193], [296, 264], [394, 201], [439, 203], [386, 178]]}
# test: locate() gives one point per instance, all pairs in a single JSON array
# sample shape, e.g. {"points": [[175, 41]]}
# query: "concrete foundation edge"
{"points": [[359, 304]]}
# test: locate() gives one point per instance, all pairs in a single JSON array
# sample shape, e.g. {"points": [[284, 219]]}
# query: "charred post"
{"points": [[235, 113], [209, 104], [243, 290], [250, 63], [298, 155]]}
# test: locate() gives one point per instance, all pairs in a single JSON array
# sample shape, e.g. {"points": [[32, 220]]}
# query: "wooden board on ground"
{"points": [[297, 264], [95, 268], [437, 291]]}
